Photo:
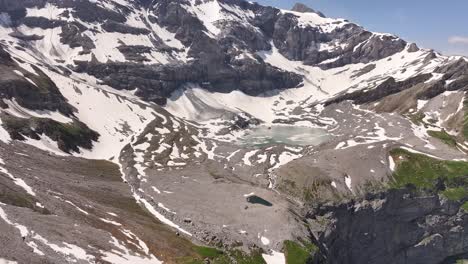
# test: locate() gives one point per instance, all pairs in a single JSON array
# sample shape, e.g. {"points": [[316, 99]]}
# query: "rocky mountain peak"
{"points": [[302, 8]]}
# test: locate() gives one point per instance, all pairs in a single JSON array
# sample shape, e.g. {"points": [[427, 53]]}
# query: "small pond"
{"points": [[254, 199]]}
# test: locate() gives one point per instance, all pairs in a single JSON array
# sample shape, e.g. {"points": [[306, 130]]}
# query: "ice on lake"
{"points": [[284, 134]]}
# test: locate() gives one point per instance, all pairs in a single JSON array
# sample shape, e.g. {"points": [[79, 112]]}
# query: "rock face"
{"points": [[396, 227], [299, 7], [33, 90], [215, 48], [69, 137], [158, 82], [388, 87], [305, 43]]}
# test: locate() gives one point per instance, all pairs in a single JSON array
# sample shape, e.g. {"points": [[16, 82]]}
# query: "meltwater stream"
{"points": [[284, 134]]}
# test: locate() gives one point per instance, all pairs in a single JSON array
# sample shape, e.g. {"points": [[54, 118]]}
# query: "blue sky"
{"points": [[437, 24]]}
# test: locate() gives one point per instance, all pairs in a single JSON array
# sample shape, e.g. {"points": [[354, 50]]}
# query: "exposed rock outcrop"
{"points": [[157, 82], [69, 137], [31, 90], [299, 7], [388, 87], [395, 227]]}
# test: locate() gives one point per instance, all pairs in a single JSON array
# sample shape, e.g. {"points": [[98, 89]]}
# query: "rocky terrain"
{"points": [[223, 131]]}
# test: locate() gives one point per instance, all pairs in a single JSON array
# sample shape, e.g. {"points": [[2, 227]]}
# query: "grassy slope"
{"points": [[298, 254], [465, 207], [444, 137], [16, 196], [465, 118], [295, 253], [216, 256], [449, 178]]}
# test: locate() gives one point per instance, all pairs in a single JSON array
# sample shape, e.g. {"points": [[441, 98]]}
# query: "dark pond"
{"points": [[254, 199]]}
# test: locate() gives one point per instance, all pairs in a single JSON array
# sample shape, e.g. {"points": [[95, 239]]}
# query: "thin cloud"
{"points": [[458, 40]]}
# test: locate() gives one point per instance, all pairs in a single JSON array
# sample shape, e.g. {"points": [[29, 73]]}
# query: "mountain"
{"points": [[224, 131]]}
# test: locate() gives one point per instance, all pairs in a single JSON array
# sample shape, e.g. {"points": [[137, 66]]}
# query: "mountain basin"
{"points": [[284, 134]]}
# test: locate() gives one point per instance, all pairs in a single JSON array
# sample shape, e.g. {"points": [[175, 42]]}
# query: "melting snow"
{"points": [[120, 115], [78, 208], [419, 152], [391, 163], [274, 258], [21, 228], [247, 157], [47, 144], [5, 261], [285, 158], [348, 182], [123, 256], [72, 252], [17, 181], [110, 222], [159, 216], [15, 109], [4, 136], [209, 13], [265, 241]]}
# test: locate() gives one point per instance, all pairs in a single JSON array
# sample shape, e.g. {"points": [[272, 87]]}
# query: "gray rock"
{"points": [[43, 96], [134, 52], [24, 37], [413, 47], [406, 229], [388, 87], [157, 82], [299, 7], [42, 22], [112, 26], [72, 35]]}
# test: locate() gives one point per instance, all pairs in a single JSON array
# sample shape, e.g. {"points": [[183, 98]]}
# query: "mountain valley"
{"points": [[224, 131]]}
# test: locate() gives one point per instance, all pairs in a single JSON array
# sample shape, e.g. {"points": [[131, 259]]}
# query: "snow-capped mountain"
{"points": [[132, 130]]}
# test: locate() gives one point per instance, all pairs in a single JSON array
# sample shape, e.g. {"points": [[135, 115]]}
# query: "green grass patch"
{"points": [[465, 206], [296, 253], [17, 197], [315, 189], [216, 256], [255, 257], [208, 252], [444, 137], [417, 118], [456, 194], [101, 169], [465, 118], [424, 172], [429, 175]]}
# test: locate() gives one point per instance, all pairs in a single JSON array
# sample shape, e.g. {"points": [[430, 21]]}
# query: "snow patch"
{"points": [[17, 181], [122, 255], [348, 182], [159, 216], [274, 258], [391, 163]]}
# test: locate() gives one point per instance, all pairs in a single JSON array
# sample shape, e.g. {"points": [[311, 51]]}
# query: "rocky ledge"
{"points": [[393, 227]]}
